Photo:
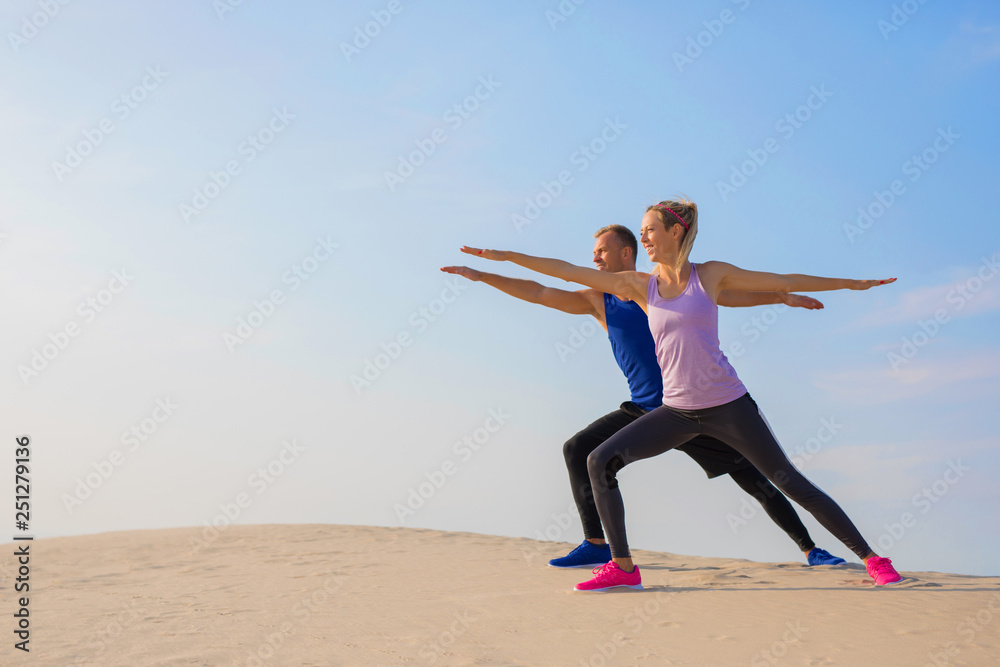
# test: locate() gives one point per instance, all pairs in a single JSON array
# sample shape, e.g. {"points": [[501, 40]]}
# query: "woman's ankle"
{"points": [[625, 564]]}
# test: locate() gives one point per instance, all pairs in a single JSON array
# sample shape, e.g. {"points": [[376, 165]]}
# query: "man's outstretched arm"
{"points": [[737, 299], [574, 303]]}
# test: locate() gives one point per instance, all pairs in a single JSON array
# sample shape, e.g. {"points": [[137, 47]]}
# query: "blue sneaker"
{"points": [[820, 557], [585, 555]]}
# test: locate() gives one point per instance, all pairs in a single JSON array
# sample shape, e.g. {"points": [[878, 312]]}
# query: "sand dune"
{"points": [[354, 595]]}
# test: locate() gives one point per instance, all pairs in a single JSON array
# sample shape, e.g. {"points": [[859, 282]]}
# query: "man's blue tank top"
{"points": [[635, 351]]}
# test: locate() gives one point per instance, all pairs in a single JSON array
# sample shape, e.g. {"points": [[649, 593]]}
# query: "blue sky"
{"points": [[282, 137]]}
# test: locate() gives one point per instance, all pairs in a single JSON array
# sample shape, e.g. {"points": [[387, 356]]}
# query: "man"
{"points": [[615, 250]]}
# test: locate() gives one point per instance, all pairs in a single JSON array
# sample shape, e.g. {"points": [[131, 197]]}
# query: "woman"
{"points": [[701, 392]]}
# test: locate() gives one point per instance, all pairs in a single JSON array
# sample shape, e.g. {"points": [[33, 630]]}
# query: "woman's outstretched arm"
{"points": [[718, 276], [631, 284]]}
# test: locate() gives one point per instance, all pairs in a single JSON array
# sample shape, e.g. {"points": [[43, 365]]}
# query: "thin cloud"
{"points": [[987, 48], [975, 45], [959, 298], [969, 27], [984, 53], [881, 384]]}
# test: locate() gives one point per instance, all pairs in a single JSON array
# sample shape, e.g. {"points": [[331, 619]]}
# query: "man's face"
{"points": [[609, 253]]}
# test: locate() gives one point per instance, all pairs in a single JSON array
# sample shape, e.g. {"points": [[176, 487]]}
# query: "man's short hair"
{"points": [[623, 234]]}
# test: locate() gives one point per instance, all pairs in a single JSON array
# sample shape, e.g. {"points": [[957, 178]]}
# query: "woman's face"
{"points": [[656, 239]]}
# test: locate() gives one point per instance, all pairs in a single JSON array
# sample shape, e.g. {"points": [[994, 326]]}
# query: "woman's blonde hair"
{"points": [[681, 211]]}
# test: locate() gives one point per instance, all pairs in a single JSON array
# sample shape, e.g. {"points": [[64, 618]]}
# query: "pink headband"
{"points": [[686, 228]]}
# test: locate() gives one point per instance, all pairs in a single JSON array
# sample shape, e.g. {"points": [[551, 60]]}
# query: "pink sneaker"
{"points": [[610, 575], [881, 570]]}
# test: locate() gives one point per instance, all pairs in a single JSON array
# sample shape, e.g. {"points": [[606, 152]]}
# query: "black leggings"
{"points": [[775, 505], [578, 448], [740, 425]]}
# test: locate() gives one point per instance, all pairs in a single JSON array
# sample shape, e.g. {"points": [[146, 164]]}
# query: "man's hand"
{"points": [[495, 255], [802, 301], [464, 271]]}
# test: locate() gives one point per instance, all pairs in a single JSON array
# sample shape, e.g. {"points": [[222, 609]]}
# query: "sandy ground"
{"points": [[355, 595]]}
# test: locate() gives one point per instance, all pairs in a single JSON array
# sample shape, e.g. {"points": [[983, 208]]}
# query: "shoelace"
{"points": [[883, 565], [602, 572]]}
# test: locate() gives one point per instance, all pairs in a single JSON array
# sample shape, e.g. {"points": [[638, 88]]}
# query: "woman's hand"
{"points": [[868, 284], [495, 255]]}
